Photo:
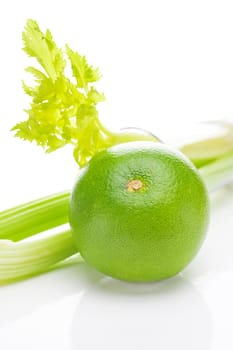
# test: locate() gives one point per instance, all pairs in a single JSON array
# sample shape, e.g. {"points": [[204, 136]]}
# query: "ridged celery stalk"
{"points": [[27, 258]]}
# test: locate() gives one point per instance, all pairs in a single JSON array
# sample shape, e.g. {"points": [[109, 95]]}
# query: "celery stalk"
{"points": [[63, 110], [37, 216], [27, 258], [218, 173], [204, 150]]}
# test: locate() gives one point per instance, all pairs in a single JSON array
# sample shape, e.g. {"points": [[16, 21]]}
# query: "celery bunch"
{"points": [[63, 111]]}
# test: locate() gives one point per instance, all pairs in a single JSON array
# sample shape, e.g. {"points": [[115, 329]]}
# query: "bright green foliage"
{"points": [[63, 110], [82, 72], [43, 48]]}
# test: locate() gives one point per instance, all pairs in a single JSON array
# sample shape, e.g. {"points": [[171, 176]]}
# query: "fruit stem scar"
{"points": [[134, 185]]}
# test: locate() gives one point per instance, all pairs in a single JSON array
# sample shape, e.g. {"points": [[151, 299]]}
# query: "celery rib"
{"points": [[37, 216], [21, 259], [205, 150], [218, 173]]}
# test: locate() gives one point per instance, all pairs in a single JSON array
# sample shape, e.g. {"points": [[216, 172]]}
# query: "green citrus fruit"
{"points": [[139, 211]]}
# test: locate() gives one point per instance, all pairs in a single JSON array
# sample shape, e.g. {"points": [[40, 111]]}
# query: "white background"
{"points": [[163, 63]]}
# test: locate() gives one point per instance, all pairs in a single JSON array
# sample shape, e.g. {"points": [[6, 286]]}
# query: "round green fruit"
{"points": [[139, 211]]}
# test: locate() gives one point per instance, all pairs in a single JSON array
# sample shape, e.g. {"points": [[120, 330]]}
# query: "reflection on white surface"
{"points": [[79, 308], [22, 299], [165, 315], [38, 312]]}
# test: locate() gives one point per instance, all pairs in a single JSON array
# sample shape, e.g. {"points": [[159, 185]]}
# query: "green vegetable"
{"points": [[21, 259], [63, 110]]}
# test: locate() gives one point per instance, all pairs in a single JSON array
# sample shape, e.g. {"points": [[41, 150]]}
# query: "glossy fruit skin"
{"points": [[148, 234]]}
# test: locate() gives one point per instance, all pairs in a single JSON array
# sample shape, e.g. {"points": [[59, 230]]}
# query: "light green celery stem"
{"points": [[205, 150], [31, 218], [201, 151], [27, 258], [128, 136], [218, 173]]}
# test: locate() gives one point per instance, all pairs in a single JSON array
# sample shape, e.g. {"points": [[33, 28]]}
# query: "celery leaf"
{"points": [[62, 109]]}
